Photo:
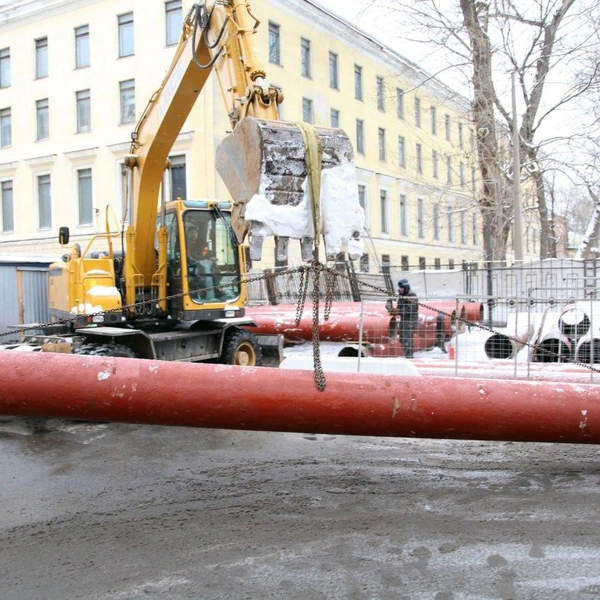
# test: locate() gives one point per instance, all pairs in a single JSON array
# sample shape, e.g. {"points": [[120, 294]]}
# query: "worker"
{"points": [[408, 311], [201, 263]]}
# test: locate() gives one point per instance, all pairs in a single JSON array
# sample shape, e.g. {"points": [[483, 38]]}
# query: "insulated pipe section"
{"points": [[574, 322], [262, 399], [551, 344], [519, 331], [588, 349]]}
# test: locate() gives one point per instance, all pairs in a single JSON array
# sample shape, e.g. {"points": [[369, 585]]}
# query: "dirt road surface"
{"points": [[110, 511]]}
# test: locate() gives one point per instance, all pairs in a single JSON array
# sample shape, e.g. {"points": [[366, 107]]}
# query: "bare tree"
{"points": [[494, 40]]}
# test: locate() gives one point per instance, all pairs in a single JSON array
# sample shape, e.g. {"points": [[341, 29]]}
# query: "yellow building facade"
{"points": [[75, 75]]}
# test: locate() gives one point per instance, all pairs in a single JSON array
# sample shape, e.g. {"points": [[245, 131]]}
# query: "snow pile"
{"points": [[342, 216]]}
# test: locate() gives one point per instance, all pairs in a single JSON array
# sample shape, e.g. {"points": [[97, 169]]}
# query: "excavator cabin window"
{"points": [[213, 271]]}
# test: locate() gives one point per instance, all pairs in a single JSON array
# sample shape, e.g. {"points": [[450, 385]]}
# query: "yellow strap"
{"points": [[312, 144]]}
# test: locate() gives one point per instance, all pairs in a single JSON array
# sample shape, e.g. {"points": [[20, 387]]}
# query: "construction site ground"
{"points": [[122, 511], [116, 511]]}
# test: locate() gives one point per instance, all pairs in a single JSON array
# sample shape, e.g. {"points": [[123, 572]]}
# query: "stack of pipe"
{"points": [[367, 321]]}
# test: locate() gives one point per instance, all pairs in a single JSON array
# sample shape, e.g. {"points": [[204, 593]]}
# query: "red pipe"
{"points": [[262, 399]]}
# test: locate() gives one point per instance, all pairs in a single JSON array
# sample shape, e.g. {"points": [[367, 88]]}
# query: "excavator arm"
{"points": [[263, 162]]}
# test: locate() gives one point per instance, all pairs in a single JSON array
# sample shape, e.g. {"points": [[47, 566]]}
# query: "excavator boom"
{"points": [[279, 186]]}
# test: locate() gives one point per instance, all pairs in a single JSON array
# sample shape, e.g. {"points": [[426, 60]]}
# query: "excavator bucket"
{"points": [[267, 169]]}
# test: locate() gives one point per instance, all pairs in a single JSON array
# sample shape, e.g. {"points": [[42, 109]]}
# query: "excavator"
{"points": [[177, 288]]}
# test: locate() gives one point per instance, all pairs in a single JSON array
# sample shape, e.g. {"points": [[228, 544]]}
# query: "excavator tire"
{"points": [[111, 349], [241, 348]]}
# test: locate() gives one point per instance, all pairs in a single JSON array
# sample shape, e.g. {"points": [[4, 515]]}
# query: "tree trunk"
{"points": [[491, 200]]}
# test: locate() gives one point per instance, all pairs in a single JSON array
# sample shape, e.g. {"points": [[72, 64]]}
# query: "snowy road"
{"points": [[123, 511]]}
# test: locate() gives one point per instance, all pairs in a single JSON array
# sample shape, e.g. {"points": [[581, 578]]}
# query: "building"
{"points": [[76, 74]]}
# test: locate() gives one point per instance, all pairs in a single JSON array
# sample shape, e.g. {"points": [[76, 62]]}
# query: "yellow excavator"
{"points": [[177, 289]]}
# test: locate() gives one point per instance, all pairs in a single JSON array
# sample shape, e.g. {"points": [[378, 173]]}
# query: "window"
{"points": [[334, 75], [274, 44], [4, 67], [385, 264], [448, 127], [125, 23], [418, 112], [335, 117], [461, 172], [362, 197], [400, 103], [381, 140], [44, 202], [364, 263], [127, 101], [461, 141], [42, 119], [405, 265], [360, 136], [173, 21], [307, 110], [419, 159], [448, 169], [403, 215], [474, 229], [41, 58], [83, 109], [5, 127], [433, 113], [472, 140], [8, 209], [82, 47], [473, 183], [463, 227], [178, 177], [436, 222], [305, 58], [358, 86], [384, 211], [380, 94], [434, 163], [401, 151], [437, 263], [84, 196], [451, 263], [422, 263], [450, 224], [420, 218]]}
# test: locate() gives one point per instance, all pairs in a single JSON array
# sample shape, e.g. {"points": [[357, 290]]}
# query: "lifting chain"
{"points": [[302, 291], [318, 373]]}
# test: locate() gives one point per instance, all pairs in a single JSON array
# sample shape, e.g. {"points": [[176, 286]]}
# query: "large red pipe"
{"points": [[227, 397]]}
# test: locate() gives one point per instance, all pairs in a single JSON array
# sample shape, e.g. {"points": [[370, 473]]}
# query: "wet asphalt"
{"points": [[112, 511]]}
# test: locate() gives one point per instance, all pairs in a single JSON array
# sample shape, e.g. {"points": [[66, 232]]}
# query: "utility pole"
{"points": [[517, 208]]}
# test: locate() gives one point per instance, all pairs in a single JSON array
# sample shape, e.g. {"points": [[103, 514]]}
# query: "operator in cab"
{"points": [[201, 264]]}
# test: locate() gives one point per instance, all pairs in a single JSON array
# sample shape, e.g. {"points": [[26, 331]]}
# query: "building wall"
{"points": [[456, 237]]}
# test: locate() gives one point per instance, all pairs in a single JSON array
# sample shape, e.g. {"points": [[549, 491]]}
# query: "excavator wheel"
{"points": [[241, 348], [116, 350]]}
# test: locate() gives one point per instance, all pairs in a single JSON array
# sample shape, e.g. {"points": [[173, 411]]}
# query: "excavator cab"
{"points": [[205, 262]]}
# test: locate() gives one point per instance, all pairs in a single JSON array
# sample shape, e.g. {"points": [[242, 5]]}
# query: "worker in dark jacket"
{"points": [[408, 311]]}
